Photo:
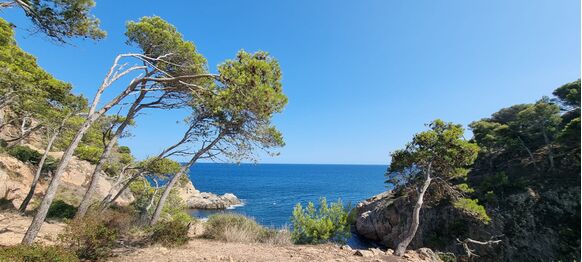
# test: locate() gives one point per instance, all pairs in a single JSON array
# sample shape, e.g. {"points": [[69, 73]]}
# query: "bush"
{"points": [[31, 156], [233, 228], [36, 253], [90, 238], [473, 208], [61, 210], [326, 223], [170, 233], [89, 153]]}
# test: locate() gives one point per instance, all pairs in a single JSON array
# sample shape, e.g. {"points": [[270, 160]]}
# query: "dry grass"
{"points": [[240, 229]]}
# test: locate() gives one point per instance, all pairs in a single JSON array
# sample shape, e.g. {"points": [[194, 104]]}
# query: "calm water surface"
{"points": [[270, 191]]}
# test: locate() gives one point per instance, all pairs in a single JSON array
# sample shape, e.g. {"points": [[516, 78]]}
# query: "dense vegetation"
{"points": [[532, 148], [324, 223]]}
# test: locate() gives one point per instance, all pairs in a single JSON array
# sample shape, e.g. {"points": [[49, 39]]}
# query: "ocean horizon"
{"points": [[270, 191]]}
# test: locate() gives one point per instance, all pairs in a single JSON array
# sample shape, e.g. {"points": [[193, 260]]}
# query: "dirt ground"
{"points": [[13, 226]]}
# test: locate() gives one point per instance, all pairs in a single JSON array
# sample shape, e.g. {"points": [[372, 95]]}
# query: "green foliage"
{"points": [[569, 94], [318, 225], [442, 150], [171, 233], [31, 156], [89, 153], [124, 150], [36, 253], [61, 210], [25, 154], [465, 188], [90, 238], [61, 20], [160, 166], [473, 208]]}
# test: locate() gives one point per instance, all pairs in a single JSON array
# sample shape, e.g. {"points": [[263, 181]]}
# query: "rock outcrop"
{"points": [[531, 225], [16, 177], [202, 200]]}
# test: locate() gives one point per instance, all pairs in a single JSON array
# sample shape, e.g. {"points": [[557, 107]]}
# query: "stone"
{"points": [[364, 253], [389, 252], [346, 247], [376, 251], [426, 254]]}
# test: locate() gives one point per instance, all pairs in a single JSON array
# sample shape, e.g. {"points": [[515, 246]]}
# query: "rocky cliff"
{"points": [[16, 176], [534, 225]]}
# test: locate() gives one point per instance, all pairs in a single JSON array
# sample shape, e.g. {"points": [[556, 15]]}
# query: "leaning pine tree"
{"points": [[436, 156], [234, 119]]}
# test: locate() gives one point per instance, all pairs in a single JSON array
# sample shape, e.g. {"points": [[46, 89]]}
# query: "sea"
{"points": [[270, 191]]}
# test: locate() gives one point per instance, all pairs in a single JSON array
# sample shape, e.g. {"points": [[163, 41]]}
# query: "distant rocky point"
{"points": [[202, 200]]}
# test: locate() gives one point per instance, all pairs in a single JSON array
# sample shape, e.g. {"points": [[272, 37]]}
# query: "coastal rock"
{"points": [[521, 221], [203, 200]]}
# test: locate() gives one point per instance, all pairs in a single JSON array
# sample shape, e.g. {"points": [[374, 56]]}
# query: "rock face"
{"points": [[202, 200], [16, 177], [531, 225]]}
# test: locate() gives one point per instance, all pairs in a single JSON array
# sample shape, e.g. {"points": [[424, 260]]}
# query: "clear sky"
{"points": [[361, 76]]}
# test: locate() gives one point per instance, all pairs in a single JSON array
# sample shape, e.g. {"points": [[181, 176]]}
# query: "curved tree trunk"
{"points": [[92, 187], [175, 178], [401, 248], [92, 116], [30, 194]]}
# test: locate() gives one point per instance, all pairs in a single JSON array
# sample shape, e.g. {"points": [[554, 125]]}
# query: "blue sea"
{"points": [[270, 191]]}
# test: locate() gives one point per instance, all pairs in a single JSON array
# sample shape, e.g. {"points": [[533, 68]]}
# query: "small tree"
{"points": [[439, 154]]}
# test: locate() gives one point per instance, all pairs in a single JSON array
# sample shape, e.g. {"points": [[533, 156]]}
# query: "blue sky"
{"points": [[361, 76]]}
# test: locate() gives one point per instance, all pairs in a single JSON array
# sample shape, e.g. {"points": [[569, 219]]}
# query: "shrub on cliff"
{"points": [[36, 253], [89, 153], [322, 224], [31, 156], [60, 209]]}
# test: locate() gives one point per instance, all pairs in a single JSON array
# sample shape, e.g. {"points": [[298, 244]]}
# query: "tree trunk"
{"points": [[30, 194], [531, 156], [550, 151], [401, 248], [51, 191], [92, 187], [176, 177], [54, 184]]}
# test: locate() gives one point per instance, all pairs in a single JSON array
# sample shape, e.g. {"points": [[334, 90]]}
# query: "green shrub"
{"points": [[31, 156], [326, 223], [61, 210], [90, 238], [124, 150], [473, 208], [89, 153], [25, 154], [36, 253], [170, 233], [6, 204]]}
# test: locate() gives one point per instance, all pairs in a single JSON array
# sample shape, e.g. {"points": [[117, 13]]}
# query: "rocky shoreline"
{"points": [[203, 200]]}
